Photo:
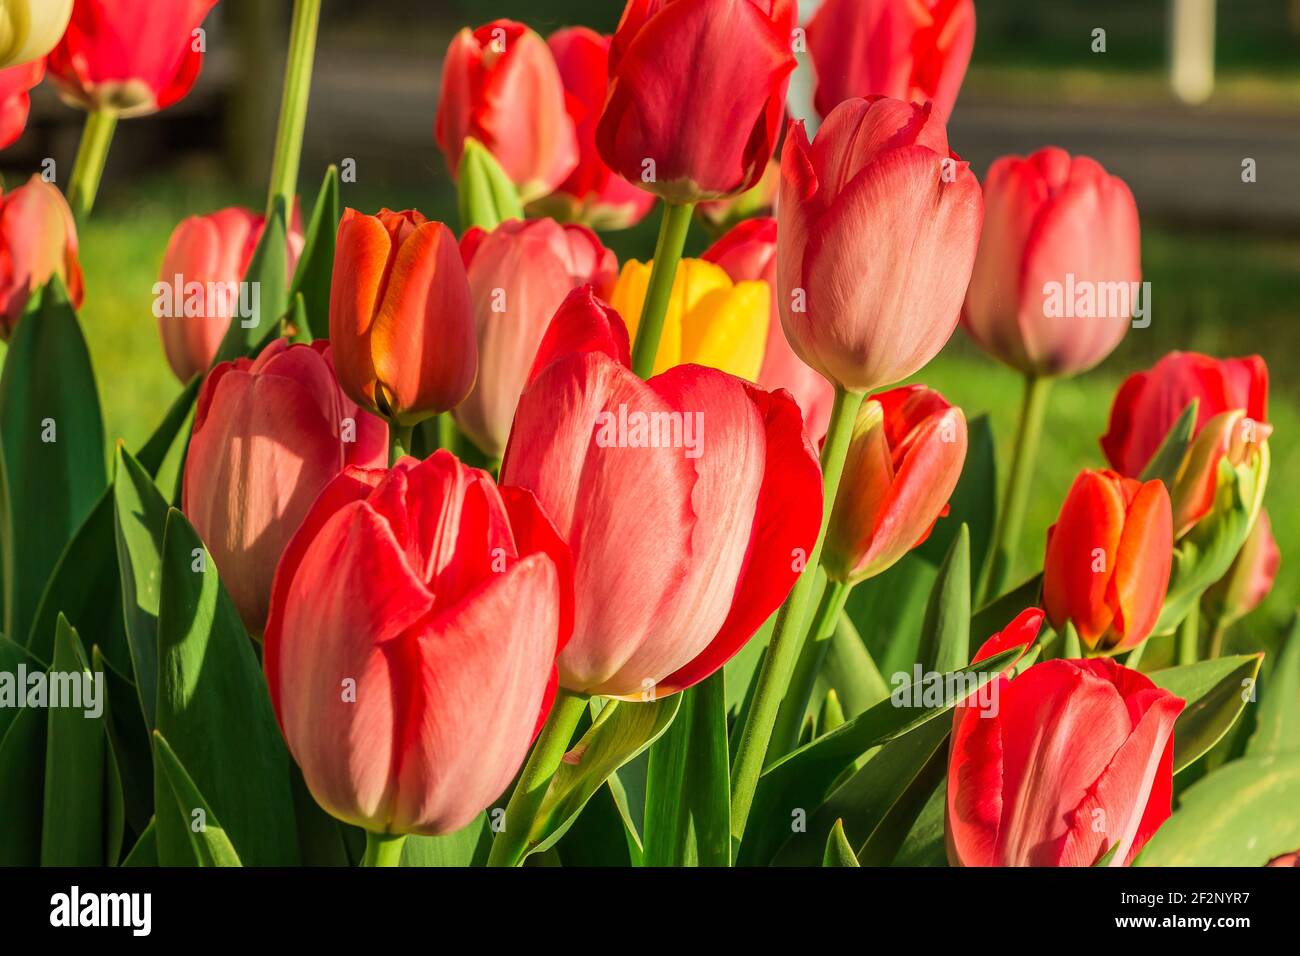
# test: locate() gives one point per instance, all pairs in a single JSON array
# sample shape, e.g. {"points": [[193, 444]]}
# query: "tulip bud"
{"points": [[269, 433], [37, 240], [1230, 437], [879, 222], [1075, 761], [130, 57], [1249, 579], [518, 275], [1056, 283], [501, 87], [30, 28], [414, 624], [205, 262], [904, 459], [1108, 560], [401, 319], [15, 101], [697, 94]]}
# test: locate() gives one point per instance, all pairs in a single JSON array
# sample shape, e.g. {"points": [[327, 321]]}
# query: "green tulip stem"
{"points": [[96, 137], [789, 719], [1135, 656], [788, 635], [668, 253], [1071, 648], [1189, 637], [1011, 518], [399, 441], [510, 845], [383, 849], [293, 105], [1217, 634]]}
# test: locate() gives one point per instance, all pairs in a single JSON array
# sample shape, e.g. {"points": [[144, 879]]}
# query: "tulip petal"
{"points": [[1081, 556], [1143, 561]]}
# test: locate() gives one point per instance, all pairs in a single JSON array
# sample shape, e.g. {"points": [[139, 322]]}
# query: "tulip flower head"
{"points": [[410, 650], [15, 100], [30, 28], [401, 316], [38, 240], [1108, 560], [904, 460]]}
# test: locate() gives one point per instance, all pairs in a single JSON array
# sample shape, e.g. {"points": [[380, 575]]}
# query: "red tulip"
{"points": [[269, 434], [38, 240], [1148, 403], [914, 51], [132, 57], [411, 645], [592, 194], [208, 256], [878, 227], [500, 85], [401, 320], [690, 503], [1076, 760], [518, 276], [1056, 281], [748, 252], [15, 101], [1250, 578], [905, 457], [1108, 560], [697, 94]]}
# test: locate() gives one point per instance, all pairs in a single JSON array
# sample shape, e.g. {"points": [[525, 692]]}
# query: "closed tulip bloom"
{"points": [[1053, 291], [904, 459], [30, 28], [38, 240], [411, 646], [1251, 577], [15, 100], [1075, 761], [878, 228], [914, 51], [1149, 403], [710, 320], [131, 57], [1108, 560], [697, 94], [401, 317], [500, 86], [206, 258], [690, 502], [518, 275], [1231, 437], [748, 253], [269, 434], [592, 194]]}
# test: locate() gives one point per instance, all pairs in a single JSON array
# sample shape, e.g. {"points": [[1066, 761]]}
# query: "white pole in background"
{"points": [[1191, 49]]}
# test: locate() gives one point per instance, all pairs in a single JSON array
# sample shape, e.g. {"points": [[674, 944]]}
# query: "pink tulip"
{"points": [[269, 434], [518, 275], [15, 101], [1058, 231], [38, 240], [411, 646], [690, 503], [879, 223], [208, 256]]}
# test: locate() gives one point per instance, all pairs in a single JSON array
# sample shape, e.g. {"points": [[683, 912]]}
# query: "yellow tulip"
{"points": [[29, 29], [710, 321]]}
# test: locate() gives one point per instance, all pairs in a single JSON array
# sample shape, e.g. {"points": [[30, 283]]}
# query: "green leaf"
{"points": [[619, 733], [208, 843], [140, 515], [1168, 458], [1277, 722], [128, 742], [688, 792], [972, 503], [11, 656], [486, 196], [214, 709], [831, 714], [145, 851], [468, 846], [602, 834], [925, 845], [889, 609], [1216, 692], [1242, 814], [154, 451], [851, 671], [945, 631], [52, 447], [73, 832], [268, 275], [838, 852], [315, 271], [22, 763]]}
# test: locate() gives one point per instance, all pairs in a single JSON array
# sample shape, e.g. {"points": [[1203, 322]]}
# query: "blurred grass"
{"points": [[1221, 293]]}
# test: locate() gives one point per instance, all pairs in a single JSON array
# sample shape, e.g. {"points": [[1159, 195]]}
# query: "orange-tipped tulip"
{"points": [[879, 222], [500, 86], [269, 434], [903, 463], [411, 646], [38, 240], [401, 317], [1108, 560], [15, 100]]}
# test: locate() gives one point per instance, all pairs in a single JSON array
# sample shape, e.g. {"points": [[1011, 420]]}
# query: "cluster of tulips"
{"points": [[472, 498]]}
